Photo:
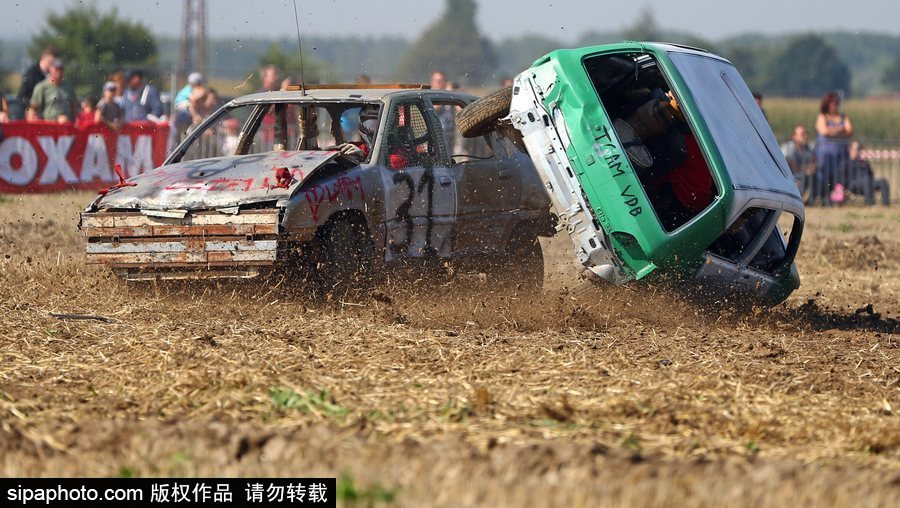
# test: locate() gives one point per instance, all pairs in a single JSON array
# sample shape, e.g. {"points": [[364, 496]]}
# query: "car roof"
{"points": [[346, 94], [631, 46]]}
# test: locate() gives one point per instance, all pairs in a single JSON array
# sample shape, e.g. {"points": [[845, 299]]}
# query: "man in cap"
{"points": [[183, 103], [109, 111], [51, 100], [140, 102]]}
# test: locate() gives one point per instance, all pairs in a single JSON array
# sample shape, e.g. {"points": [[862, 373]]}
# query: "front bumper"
{"points": [[205, 244]]}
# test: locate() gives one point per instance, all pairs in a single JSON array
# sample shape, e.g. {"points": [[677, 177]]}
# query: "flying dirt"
{"points": [[452, 392]]}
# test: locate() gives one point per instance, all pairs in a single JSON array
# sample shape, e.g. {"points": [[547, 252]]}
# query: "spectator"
{"points": [[232, 132], [834, 129], [212, 101], [204, 102], [289, 81], [505, 82], [108, 109], [4, 110], [183, 103], [363, 79], [140, 101], [88, 113], [802, 161], [861, 180], [50, 99], [758, 97], [270, 77], [445, 113], [36, 73], [118, 78]]}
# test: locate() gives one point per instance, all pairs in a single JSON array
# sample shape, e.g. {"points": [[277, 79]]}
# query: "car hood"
{"points": [[219, 182]]}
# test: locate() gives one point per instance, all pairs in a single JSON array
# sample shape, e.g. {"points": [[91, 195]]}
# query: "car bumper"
{"points": [[720, 278]]}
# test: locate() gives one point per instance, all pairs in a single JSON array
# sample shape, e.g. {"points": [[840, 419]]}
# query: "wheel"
{"points": [[522, 266], [480, 117], [347, 251]]}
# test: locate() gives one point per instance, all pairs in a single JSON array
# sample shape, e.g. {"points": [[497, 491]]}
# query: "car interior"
{"points": [[654, 133]]}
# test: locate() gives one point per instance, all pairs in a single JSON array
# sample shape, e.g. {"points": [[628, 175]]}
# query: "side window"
{"points": [[409, 138], [461, 149]]}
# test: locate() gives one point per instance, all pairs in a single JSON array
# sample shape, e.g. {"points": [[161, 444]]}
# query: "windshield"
{"points": [[252, 129], [738, 127]]}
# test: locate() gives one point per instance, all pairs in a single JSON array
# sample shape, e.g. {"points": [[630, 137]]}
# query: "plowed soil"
{"points": [[454, 393]]}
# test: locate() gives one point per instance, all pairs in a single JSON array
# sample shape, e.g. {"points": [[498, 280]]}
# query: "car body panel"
{"points": [[219, 181]]}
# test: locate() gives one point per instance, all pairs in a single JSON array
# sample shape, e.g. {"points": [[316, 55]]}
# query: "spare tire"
{"points": [[481, 116]]}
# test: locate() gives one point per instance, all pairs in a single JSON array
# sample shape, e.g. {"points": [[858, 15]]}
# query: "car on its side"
{"points": [[660, 165], [331, 180]]}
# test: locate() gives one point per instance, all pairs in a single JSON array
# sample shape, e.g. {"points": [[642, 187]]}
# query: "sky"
{"points": [[561, 19]]}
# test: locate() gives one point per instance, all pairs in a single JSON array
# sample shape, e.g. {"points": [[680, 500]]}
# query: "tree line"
{"points": [[94, 44]]}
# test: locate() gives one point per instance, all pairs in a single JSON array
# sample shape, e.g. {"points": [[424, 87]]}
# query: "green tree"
{"points": [[890, 78], [288, 62], [454, 45], [94, 45], [807, 67]]}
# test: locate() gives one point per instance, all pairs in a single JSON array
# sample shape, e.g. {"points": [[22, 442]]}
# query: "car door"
{"points": [[420, 191], [488, 186]]}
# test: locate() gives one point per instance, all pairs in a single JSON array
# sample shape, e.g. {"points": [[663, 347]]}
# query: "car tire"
{"points": [[522, 266], [348, 257], [481, 116]]}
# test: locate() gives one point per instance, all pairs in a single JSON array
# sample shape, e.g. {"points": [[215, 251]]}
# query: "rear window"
{"points": [[661, 145], [759, 238]]}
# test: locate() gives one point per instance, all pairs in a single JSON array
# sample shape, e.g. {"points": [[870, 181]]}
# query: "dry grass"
{"points": [[454, 395]]}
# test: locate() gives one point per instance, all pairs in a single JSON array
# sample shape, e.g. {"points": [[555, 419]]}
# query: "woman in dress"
{"points": [[834, 130]]}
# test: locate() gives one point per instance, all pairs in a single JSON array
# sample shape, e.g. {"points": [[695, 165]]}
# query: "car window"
{"points": [[754, 232], [410, 137], [220, 138], [661, 144], [461, 149]]}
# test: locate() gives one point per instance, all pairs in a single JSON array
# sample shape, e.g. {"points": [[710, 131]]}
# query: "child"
{"points": [[108, 109], [87, 115]]}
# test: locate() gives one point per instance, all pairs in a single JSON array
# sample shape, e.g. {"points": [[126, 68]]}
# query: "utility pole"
{"points": [[193, 38]]}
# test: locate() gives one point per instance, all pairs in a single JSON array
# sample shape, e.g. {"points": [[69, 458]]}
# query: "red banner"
{"points": [[51, 157]]}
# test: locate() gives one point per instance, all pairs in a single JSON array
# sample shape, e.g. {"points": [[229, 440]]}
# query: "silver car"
{"points": [[333, 181]]}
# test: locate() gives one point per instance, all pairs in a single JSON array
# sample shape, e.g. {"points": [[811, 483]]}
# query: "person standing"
{"points": [[108, 110], [270, 77], [445, 113], [141, 102], [50, 99], [834, 129], [183, 118], [802, 161], [35, 74]]}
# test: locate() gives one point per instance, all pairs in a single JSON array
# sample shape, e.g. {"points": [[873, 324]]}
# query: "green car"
{"points": [[660, 166]]}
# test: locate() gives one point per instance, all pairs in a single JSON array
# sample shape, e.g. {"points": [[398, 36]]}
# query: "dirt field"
{"points": [[452, 395]]}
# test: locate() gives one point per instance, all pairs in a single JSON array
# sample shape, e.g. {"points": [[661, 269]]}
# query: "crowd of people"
{"points": [[827, 170], [835, 165], [47, 96]]}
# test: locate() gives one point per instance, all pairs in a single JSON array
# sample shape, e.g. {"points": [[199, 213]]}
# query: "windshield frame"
{"points": [[254, 119]]}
